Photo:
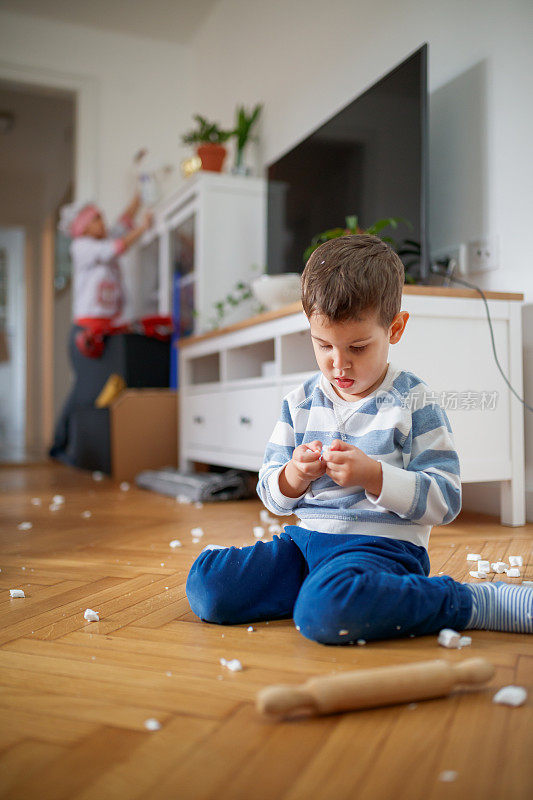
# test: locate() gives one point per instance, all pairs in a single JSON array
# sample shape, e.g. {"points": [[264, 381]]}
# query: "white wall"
{"points": [[141, 91], [306, 59]]}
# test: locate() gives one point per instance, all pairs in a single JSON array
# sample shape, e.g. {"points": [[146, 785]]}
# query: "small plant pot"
{"points": [[212, 156]]}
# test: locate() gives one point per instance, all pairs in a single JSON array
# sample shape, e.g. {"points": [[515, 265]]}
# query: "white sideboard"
{"points": [[232, 383]]}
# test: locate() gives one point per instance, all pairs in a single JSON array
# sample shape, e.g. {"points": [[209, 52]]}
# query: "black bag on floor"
{"points": [[193, 487]]}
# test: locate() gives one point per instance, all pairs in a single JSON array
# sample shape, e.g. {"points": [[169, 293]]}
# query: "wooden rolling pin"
{"points": [[368, 688]]}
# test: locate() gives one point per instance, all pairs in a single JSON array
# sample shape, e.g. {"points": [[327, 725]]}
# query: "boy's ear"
{"points": [[397, 327]]}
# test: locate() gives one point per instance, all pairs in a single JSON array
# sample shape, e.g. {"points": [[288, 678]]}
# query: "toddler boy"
{"points": [[365, 458]]}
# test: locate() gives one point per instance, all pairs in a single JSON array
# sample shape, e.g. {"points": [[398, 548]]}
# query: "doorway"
{"points": [[37, 140], [12, 345]]}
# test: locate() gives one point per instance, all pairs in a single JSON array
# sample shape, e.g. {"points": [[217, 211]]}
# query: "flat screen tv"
{"points": [[370, 160]]}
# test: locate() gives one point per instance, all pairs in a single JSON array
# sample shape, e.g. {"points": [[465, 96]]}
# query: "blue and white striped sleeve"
{"points": [[428, 490], [278, 452]]}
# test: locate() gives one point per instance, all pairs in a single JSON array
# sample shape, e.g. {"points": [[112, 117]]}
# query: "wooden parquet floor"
{"points": [[74, 695]]}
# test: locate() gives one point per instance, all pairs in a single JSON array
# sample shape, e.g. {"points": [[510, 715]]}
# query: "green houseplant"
{"points": [[244, 122], [210, 139], [407, 247]]}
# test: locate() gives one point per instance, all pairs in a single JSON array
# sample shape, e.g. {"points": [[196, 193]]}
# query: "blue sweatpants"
{"points": [[337, 587]]}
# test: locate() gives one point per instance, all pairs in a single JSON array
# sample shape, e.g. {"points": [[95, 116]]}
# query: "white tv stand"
{"points": [[232, 382]]}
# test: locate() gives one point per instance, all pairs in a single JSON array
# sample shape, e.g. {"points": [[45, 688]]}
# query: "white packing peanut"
{"points": [[274, 528], [55, 506], [234, 664], [90, 615], [197, 533], [465, 641], [448, 775], [25, 526], [476, 574], [198, 504], [58, 499], [343, 632], [265, 517], [86, 514], [516, 561], [259, 531], [152, 724], [16, 593], [513, 572], [36, 501], [174, 543], [124, 486], [449, 638], [361, 642], [98, 476], [183, 499], [473, 557], [499, 566], [483, 566], [250, 629], [511, 696]]}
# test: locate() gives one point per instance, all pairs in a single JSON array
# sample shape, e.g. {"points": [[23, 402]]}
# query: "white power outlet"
{"points": [[456, 252], [482, 255]]}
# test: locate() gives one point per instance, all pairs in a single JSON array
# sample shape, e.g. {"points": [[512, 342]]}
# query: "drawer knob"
{"points": [[198, 420], [245, 421]]}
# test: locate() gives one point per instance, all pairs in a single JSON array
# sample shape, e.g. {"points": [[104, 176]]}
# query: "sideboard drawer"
{"points": [[202, 422], [251, 415]]}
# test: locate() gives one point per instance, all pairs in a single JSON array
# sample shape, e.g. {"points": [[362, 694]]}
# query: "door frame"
{"points": [[86, 91]]}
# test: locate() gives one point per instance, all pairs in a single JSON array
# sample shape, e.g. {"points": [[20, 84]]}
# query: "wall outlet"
{"points": [[482, 255], [457, 253]]}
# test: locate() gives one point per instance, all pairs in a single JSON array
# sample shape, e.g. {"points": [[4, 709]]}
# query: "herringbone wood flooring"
{"points": [[74, 695]]}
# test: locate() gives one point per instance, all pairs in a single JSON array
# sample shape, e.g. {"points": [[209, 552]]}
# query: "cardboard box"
{"points": [[144, 431]]}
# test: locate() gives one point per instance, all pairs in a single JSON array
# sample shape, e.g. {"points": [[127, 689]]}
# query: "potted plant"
{"points": [[243, 127], [209, 138], [405, 248]]}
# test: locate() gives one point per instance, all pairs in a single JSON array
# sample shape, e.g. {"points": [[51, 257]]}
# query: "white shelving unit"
{"points": [[212, 233], [228, 408]]}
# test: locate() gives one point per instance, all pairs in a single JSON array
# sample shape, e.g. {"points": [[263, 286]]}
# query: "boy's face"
{"points": [[96, 228], [351, 355]]}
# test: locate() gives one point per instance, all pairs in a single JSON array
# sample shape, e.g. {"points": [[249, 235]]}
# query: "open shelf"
{"points": [[205, 369], [297, 354], [247, 361]]}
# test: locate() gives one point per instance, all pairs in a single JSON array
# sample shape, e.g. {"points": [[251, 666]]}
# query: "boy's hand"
{"points": [[148, 220], [304, 467], [306, 461], [349, 466]]}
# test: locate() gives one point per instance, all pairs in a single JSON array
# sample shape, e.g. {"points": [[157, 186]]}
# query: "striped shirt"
{"points": [[399, 424]]}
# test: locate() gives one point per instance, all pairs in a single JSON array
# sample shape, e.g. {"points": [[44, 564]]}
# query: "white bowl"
{"points": [[276, 291]]}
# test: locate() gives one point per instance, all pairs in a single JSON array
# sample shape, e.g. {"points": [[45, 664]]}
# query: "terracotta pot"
{"points": [[212, 156]]}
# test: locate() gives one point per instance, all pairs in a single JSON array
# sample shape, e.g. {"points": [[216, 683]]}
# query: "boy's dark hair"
{"points": [[353, 275]]}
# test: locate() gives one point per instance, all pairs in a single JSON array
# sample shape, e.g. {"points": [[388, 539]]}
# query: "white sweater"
{"points": [[399, 424]]}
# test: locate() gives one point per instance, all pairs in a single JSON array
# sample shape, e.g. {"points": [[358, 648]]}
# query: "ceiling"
{"points": [[169, 20]]}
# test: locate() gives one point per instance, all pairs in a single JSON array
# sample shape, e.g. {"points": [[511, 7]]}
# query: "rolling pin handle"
{"points": [[284, 700]]}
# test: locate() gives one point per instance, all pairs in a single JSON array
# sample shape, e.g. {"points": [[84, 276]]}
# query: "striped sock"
{"points": [[501, 606]]}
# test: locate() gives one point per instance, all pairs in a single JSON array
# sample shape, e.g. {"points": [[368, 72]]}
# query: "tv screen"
{"points": [[369, 160]]}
